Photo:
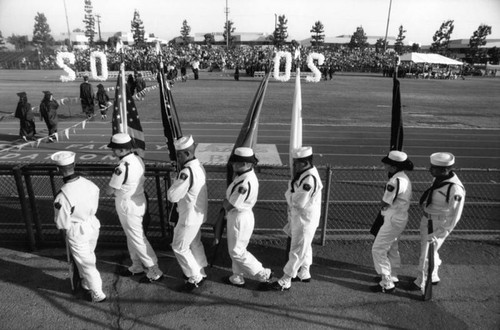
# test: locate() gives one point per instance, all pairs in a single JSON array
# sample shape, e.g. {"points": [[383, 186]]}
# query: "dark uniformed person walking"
{"points": [[87, 97], [75, 208], [48, 112]]}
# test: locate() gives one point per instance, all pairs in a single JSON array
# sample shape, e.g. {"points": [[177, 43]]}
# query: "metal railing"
{"points": [[351, 199]]}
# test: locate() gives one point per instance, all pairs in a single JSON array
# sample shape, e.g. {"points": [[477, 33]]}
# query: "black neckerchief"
{"points": [[70, 177], [297, 176], [438, 183], [238, 173], [187, 161], [393, 174], [121, 157]]}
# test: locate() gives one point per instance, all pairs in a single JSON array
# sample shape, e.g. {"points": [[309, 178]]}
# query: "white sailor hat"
{"points": [[120, 141], [443, 159], [243, 155], [399, 159], [183, 142], [302, 152], [63, 158]]}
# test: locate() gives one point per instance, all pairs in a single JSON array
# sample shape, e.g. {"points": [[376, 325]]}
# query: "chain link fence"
{"points": [[351, 198]]}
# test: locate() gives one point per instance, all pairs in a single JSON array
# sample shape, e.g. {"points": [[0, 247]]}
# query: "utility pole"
{"points": [[387, 26], [99, 25], [67, 23], [226, 10]]}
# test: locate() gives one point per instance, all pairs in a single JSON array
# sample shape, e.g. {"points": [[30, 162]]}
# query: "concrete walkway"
{"points": [[36, 292]]}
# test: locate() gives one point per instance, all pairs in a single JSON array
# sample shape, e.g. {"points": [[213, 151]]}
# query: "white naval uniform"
{"points": [[189, 191], [304, 203], [385, 249], [445, 211], [75, 207], [130, 202], [242, 194]]}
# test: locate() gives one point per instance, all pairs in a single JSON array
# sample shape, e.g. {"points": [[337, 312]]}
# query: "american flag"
{"points": [[169, 117], [125, 115]]}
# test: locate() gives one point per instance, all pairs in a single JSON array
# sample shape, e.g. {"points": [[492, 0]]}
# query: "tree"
{"points": [[185, 30], [399, 46], [2, 41], [358, 39], [441, 38], [318, 38], [380, 45], [209, 38], [137, 29], [494, 55], [89, 21], [280, 33], [228, 32], [415, 47], [477, 40], [19, 42], [41, 32]]}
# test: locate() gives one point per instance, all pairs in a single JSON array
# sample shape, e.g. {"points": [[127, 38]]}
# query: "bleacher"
{"points": [[18, 59]]}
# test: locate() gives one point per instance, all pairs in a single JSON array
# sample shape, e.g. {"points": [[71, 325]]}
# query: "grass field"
{"points": [[348, 99]]}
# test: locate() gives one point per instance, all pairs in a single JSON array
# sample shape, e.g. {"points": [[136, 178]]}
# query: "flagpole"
{"points": [[123, 108]]}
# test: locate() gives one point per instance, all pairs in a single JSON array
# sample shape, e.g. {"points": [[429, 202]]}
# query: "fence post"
{"points": [[160, 204], [24, 208], [34, 209], [326, 201]]}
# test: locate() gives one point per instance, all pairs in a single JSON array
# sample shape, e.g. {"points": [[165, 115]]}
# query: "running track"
{"points": [[344, 146]]}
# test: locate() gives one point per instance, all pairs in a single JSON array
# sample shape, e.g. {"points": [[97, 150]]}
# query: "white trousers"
{"points": [[239, 230], [424, 249], [301, 247], [131, 213], [189, 250], [385, 249], [82, 240]]}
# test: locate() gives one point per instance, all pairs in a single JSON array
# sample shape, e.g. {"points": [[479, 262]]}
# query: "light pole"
{"points": [[99, 25], [387, 26], [67, 23], [226, 10]]}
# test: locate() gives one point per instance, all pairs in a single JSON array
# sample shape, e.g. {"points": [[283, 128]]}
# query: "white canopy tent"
{"points": [[428, 58]]}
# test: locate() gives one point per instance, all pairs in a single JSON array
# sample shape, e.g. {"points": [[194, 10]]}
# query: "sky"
{"points": [[420, 18]]}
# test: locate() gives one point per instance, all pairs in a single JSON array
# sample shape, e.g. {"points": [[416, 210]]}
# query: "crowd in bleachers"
{"points": [[251, 59]]}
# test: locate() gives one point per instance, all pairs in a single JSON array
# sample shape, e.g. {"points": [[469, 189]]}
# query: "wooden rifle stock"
{"points": [[430, 265]]}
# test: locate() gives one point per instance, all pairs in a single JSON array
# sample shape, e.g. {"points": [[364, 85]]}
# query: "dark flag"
{"points": [[125, 116], [171, 129], [246, 138], [396, 120], [396, 138], [249, 129]]}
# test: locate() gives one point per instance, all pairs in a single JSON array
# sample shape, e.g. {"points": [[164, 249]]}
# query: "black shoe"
{"points": [[378, 288], [128, 273], [148, 280], [435, 283], [412, 287], [271, 275], [189, 287], [278, 287], [226, 280], [298, 279]]}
